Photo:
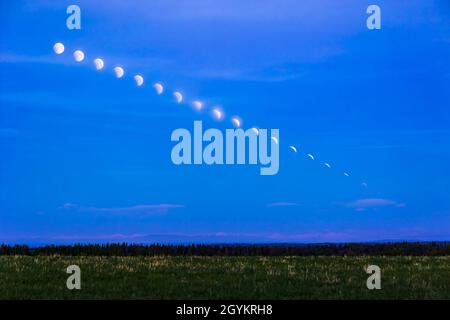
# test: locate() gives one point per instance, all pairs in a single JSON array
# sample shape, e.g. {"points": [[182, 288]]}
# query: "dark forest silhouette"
{"points": [[125, 249]]}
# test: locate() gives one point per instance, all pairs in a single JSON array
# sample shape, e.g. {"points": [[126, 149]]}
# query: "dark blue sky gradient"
{"points": [[85, 157]]}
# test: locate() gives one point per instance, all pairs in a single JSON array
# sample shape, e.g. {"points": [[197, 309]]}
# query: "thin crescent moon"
{"points": [[139, 80], [119, 72], [256, 131], [327, 164], [217, 114], [274, 140], [158, 87], [346, 174], [310, 156], [236, 122], [293, 148], [178, 96]]}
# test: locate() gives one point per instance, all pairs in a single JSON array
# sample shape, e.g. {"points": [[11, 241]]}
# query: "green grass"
{"points": [[44, 277]]}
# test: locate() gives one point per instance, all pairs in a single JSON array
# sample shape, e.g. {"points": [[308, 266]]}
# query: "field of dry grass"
{"points": [[44, 277]]}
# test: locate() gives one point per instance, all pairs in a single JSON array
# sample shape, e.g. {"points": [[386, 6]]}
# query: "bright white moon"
{"points": [[158, 88], [236, 122], [178, 96], [217, 113], [78, 55], [99, 64], [58, 48], [119, 72], [293, 148], [139, 80], [198, 105]]}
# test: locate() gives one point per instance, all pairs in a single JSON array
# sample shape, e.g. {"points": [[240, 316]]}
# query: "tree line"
{"points": [[126, 249]]}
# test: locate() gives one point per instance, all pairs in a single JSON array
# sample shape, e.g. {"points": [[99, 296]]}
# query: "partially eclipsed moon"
{"points": [[139, 80], [236, 122], [119, 72], [310, 156], [293, 148], [158, 88], [58, 48], [217, 113], [178, 96], [198, 104], [99, 64], [78, 55]]}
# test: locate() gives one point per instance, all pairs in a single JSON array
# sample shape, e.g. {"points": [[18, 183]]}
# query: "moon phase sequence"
{"points": [[216, 112]]}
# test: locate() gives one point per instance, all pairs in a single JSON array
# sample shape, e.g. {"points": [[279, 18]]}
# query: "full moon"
{"points": [[58, 48], [119, 72], [139, 80], [99, 64], [78, 55], [158, 88]]}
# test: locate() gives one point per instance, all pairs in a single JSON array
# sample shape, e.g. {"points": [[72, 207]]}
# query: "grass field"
{"points": [[44, 277]]}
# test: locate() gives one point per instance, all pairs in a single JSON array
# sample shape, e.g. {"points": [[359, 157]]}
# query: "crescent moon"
{"points": [[274, 140], [78, 55], [178, 96], [58, 48], [217, 114], [346, 174], [255, 130], [293, 148], [310, 156], [198, 104], [99, 64], [327, 165], [158, 87], [119, 72], [236, 122], [139, 80]]}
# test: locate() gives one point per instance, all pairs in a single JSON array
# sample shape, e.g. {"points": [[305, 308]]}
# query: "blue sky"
{"points": [[85, 157]]}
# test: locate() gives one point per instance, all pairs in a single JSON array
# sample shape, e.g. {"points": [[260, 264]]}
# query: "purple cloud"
{"points": [[363, 204], [144, 209], [281, 204]]}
